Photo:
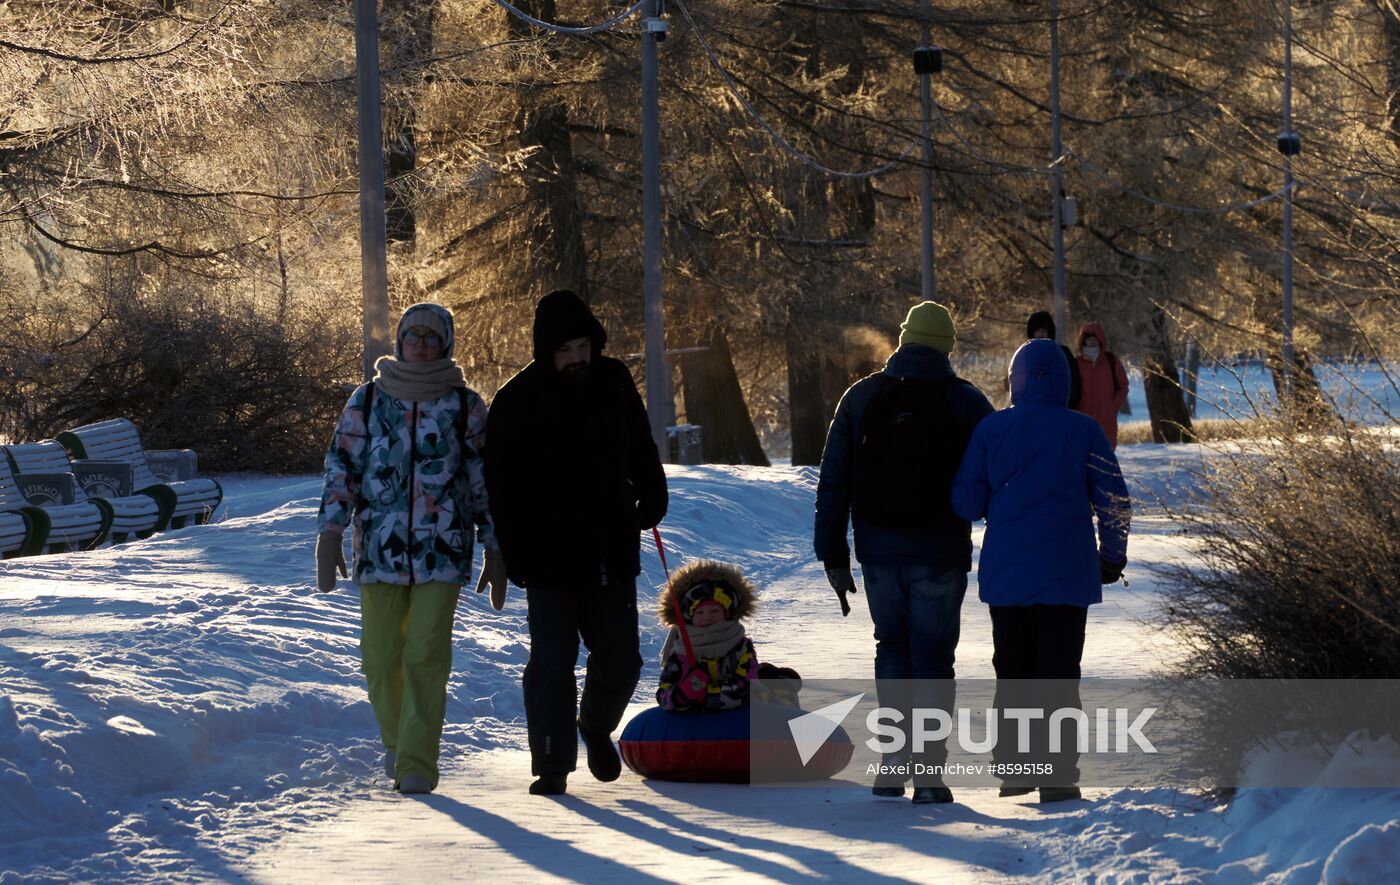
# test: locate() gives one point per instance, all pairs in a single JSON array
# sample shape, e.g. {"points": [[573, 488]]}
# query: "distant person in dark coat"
{"points": [[1041, 325], [576, 476], [1040, 473]]}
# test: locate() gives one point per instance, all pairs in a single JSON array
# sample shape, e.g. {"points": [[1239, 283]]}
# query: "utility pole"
{"points": [[660, 399], [1056, 180], [928, 60], [1290, 145], [374, 262]]}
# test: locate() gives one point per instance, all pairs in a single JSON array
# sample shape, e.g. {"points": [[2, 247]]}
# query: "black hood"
{"points": [[560, 316], [1041, 319]]}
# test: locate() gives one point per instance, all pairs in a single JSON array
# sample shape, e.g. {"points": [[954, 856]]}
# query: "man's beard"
{"points": [[574, 372]]}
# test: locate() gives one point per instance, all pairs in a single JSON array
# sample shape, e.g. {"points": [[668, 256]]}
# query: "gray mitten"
{"points": [[330, 555]]}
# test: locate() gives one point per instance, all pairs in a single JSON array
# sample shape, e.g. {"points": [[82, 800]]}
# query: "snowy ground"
{"points": [[188, 707]]}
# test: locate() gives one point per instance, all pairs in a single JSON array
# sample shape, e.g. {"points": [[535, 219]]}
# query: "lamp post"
{"points": [[1056, 179], [928, 60], [660, 399]]}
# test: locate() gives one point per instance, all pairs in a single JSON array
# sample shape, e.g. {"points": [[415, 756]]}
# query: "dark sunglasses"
{"points": [[432, 339]]}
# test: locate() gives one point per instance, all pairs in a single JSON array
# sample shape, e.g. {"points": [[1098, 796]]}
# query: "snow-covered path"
{"points": [[634, 830], [187, 706]]}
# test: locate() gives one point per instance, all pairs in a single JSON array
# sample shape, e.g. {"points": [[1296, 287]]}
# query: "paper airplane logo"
{"points": [[810, 730]]}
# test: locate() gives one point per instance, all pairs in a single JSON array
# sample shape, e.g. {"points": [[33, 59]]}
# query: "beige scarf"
{"points": [[708, 642], [417, 382]]}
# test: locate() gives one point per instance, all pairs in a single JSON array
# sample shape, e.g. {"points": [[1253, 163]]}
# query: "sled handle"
{"points": [[675, 603]]}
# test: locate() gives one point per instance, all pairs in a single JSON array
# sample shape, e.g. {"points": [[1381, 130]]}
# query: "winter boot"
{"points": [[603, 760], [889, 783], [550, 785], [1059, 794], [415, 783], [1010, 792], [932, 795], [390, 764]]}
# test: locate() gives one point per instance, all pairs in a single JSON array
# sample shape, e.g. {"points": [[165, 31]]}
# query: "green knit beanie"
{"points": [[929, 324]]}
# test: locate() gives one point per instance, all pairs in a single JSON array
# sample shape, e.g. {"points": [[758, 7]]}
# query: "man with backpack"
{"points": [[891, 453]]}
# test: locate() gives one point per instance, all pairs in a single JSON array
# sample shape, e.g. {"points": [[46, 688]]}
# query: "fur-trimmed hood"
{"points": [[694, 572]]}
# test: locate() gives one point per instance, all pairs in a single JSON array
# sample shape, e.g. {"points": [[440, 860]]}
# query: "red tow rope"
{"points": [[675, 603]]}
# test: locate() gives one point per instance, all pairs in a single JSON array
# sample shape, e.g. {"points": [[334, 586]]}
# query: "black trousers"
{"points": [[606, 619], [1038, 642]]}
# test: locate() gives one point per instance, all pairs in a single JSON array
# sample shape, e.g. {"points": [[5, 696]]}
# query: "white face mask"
{"points": [[1091, 352]]}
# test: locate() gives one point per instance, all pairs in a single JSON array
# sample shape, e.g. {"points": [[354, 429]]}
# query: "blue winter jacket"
{"points": [[1040, 472], [940, 547]]}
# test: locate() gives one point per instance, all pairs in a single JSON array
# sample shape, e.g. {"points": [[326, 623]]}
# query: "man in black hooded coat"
{"points": [[574, 476], [1041, 325]]}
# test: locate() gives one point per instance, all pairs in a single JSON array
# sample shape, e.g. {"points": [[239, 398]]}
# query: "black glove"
{"points": [[843, 582], [1110, 572], [493, 575]]}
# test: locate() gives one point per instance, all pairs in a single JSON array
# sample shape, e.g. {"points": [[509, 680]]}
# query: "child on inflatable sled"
{"points": [[708, 660]]}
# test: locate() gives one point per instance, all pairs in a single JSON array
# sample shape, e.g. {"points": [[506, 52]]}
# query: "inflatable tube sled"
{"points": [[718, 748]]}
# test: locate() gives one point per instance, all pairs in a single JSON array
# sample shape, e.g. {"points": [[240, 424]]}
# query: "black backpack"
{"points": [[908, 448]]}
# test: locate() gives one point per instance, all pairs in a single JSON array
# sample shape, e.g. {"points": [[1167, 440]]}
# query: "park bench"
{"points": [[21, 533], [182, 501], [68, 524], [111, 481]]}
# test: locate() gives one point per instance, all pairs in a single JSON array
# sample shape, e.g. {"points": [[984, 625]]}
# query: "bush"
{"points": [[1301, 574], [248, 389]]}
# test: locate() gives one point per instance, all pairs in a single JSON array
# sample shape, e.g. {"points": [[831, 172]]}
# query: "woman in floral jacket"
{"points": [[405, 466]]}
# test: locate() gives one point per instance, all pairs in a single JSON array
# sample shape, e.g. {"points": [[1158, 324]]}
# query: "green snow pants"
{"points": [[406, 656]]}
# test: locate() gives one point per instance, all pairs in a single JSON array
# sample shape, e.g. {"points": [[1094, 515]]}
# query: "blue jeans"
{"points": [[917, 610]]}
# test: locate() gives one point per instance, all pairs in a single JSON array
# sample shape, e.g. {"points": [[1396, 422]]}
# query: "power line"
{"points": [[563, 29], [777, 137]]}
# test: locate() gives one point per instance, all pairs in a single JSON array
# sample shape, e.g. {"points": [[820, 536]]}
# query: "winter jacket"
{"points": [[727, 685], [1040, 473], [1105, 384], [728, 674], [410, 475], [572, 470], [947, 545]]}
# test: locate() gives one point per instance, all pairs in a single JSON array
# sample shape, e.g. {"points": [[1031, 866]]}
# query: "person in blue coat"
{"points": [[1041, 474]]}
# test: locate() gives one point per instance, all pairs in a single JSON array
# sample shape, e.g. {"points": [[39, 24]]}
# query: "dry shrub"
{"points": [[1206, 430], [247, 388], [1301, 571]]}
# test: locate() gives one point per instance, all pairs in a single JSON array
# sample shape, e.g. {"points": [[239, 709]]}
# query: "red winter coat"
{"points": [[1105, 384]]}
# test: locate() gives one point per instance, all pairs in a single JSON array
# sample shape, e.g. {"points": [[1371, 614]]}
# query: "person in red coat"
{"points": [[1104, 383]]}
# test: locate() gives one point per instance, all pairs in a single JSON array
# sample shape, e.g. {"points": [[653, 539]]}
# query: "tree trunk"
{"points": [[555, 240], [409, 30], [1304, 406], [1193, 375], [556, 226], [819, 372], [715, 401], [1166, 408], [1390, 18]]}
